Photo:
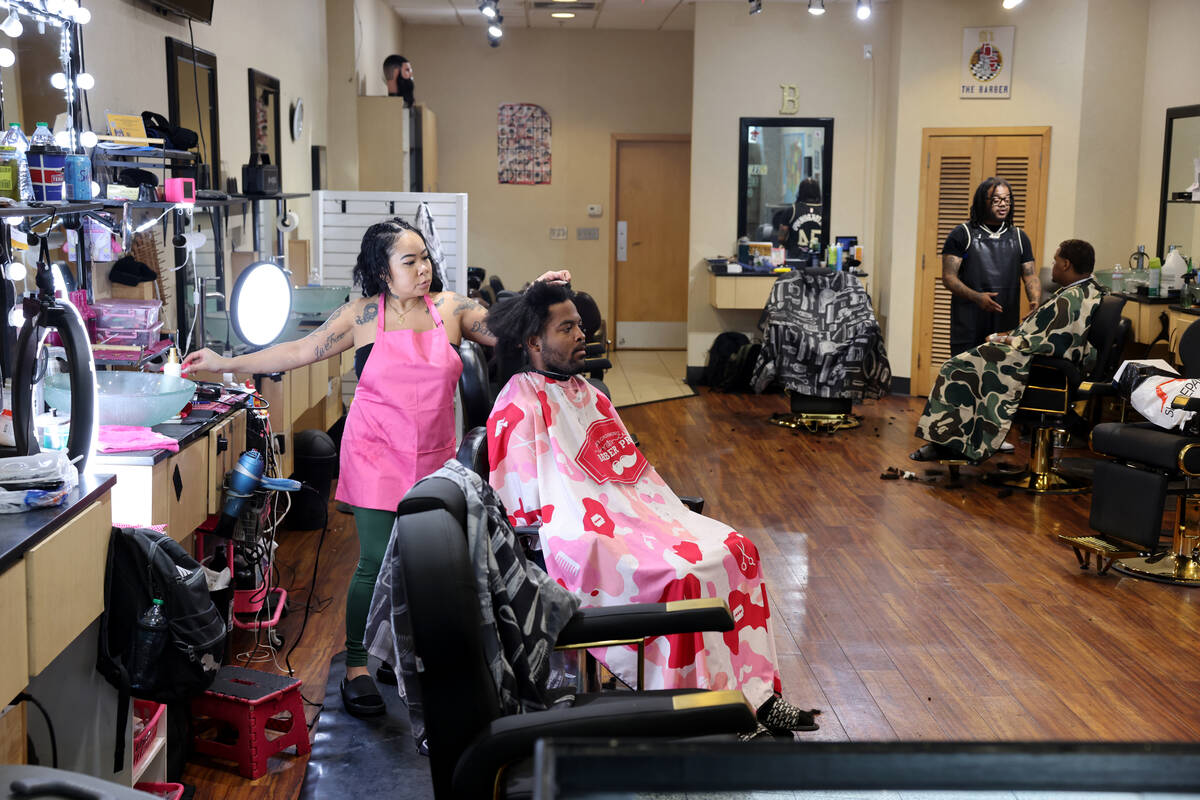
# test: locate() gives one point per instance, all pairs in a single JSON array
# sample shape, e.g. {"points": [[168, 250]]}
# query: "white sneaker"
{"points": [[1006, 447]]}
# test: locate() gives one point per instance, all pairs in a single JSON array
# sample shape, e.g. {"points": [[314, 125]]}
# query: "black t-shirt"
{"points": [[804, 223]]}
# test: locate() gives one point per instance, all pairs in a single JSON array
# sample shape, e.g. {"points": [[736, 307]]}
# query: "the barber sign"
{"points": [[987, 59], [608, 454]]}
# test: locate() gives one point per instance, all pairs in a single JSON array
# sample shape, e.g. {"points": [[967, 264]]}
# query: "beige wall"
{"points": [[783, 45], [378, 33], [593, 84]]}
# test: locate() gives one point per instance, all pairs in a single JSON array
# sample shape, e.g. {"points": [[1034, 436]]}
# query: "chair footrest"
{"points": [[1102, 546]]}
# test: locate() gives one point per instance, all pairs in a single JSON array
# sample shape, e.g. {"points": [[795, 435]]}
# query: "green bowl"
{"points": [[127, 398], [319, 299]]}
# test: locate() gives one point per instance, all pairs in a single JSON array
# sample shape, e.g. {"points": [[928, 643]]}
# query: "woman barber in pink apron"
{"points": [[400, 426]]}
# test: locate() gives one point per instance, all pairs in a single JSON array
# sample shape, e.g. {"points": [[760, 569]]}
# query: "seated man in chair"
{"points": [[612, 531], [970, 409]]}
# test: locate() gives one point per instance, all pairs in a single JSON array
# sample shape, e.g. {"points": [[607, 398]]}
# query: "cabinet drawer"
{"points": [[64, 582], [225, 444], [318, 383], [14, 656], [298, 389], [187, 490]]}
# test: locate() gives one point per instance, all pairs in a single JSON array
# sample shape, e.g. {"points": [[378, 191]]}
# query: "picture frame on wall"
{"points": [[265, 130]]}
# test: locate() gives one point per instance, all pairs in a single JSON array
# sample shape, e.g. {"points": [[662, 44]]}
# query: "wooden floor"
{"points": [[904, 609]]}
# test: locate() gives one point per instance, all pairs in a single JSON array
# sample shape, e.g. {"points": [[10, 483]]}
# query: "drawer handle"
{"points": [[222, 443]]}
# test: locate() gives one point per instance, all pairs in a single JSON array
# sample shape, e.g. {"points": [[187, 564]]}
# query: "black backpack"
{"points": [[143, 565], [739, 371], [724, 347]]}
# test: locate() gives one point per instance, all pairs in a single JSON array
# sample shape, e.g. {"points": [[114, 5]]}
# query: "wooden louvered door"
{"points": [[953, 163]]}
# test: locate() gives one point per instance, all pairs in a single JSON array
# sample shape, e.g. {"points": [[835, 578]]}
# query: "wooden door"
{"points": [[653, 184], [953, 163]]}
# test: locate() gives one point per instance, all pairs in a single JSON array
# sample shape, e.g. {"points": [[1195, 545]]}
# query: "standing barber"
{"points": [[398, 74], [984, 263]]}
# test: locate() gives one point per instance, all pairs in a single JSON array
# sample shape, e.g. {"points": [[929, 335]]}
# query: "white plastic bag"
{"points": [[39, 481]]}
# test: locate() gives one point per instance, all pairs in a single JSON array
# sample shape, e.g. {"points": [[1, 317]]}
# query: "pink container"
{"points": [[135, 337], [126, 314]]}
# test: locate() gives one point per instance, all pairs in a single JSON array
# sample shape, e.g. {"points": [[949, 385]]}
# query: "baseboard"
{"points": [[901, 385]]}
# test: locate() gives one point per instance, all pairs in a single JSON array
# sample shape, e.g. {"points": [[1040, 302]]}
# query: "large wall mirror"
{"points": [[784, 178], [1179, 219], [265, 135], [192, 103], [28, 96]]}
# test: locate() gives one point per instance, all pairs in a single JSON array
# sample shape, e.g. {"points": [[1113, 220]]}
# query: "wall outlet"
{"points": [[587, 233], [866, 51], [595, 210], [558, 233]]}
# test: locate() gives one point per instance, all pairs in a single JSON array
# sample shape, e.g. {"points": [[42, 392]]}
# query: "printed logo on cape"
{"points": [[608, 454]]}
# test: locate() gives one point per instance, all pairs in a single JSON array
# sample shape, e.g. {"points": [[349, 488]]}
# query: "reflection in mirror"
{"points": [[784, 178], [1180, 222], [28, 96], [264, 116], [192, 104]]}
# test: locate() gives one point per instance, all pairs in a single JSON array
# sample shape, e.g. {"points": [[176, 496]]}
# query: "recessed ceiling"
{"points": [[654, 15]]}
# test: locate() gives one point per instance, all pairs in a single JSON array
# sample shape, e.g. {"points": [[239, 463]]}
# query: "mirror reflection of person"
{"points": [[798, 229], [984, 262], [398, 74]]}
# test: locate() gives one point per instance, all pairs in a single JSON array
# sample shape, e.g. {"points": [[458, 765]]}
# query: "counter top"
{"points": [[1144, 298], [183, 432], [19, 532]]}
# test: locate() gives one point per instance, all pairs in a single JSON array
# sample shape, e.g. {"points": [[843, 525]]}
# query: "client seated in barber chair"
{"points": [[971, 407], [612, 531]]}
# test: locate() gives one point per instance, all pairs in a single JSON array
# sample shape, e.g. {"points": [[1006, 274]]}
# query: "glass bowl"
{"points": [[318, 299], [127, 398]]}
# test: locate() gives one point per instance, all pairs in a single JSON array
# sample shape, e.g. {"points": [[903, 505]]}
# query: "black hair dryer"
{"points": [[45, 311]]}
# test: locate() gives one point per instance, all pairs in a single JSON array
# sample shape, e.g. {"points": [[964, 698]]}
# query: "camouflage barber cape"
{"points": [[971, 406], [821, 338]]}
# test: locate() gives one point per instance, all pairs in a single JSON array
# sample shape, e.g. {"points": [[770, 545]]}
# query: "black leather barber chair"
{"points": [[1149, 465], [476, 751], [1056, 387], [595, 331], [473, 386]]}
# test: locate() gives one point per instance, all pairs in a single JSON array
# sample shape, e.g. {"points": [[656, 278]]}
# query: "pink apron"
{"points": [[400, 426]]}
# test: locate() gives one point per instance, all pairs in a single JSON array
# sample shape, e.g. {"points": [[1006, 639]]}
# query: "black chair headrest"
{"points": [[589, 313], [433, 494], [1189, 350], [473, 452]]}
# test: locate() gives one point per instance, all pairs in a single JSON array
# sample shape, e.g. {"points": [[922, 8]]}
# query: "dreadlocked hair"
{"points": [[514, 320]]}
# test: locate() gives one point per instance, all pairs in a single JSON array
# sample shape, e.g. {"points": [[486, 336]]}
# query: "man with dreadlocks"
{"points": [[612, 531]]}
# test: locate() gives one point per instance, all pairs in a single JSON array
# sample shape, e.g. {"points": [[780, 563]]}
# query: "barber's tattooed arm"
{"points": [[472, 318], [369, 313]]}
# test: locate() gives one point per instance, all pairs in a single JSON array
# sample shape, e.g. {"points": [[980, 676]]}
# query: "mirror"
{"points": [[264, 117], [1178, 213], [192, 104], [28, 96], [784, 168]]}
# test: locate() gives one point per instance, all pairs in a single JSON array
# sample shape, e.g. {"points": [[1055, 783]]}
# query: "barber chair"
{"points": [[595, 332], [1056, 386], [1149, 465], [473, 385], [475, 750]]}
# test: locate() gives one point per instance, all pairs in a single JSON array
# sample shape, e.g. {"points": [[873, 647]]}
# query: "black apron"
{"points": [[991, 264]]}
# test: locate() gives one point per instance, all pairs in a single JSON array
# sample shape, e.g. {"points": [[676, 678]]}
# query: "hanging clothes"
{"points": [[613, 532], [976, 393], [424, 223], [821, 338]]}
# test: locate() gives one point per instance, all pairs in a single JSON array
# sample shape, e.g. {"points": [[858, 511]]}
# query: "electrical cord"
{"points": [[287, 659], [49, 725], [199, 114]]}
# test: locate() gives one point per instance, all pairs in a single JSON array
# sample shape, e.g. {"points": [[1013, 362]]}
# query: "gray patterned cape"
{"points": [[523, 610]]}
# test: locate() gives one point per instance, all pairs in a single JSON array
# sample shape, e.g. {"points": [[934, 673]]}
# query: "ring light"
{"points": [[261, 303]]}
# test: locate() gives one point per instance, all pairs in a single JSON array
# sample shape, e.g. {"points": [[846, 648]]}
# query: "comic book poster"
{"points": [[523, 144]]}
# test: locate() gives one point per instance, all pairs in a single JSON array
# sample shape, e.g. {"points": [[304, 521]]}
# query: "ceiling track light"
{"points": [[816, 7], [755, 6], [863, 10], [489, 9]]}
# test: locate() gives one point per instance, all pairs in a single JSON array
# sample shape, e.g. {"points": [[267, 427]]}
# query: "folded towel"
{"points": [[124, 438]]}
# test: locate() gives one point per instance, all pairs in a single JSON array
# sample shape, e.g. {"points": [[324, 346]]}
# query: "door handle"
{"points": [[622, 240], [222, 443]]}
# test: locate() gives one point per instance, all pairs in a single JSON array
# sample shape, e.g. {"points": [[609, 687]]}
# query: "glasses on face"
{"points": [[1002, 201]]}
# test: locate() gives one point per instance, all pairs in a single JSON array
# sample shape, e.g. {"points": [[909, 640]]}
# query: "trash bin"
{"points": [[316, 458]]}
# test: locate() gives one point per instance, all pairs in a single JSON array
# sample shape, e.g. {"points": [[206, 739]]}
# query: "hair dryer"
{"points": [[244, 479]]}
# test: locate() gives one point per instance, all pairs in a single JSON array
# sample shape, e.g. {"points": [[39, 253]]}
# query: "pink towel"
{"points": [[124, 438]]}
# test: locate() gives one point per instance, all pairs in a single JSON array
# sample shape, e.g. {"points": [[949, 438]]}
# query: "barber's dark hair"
{"points": [[809, 191], [1080, 253], [392, 64], [981, 204], [514, 320], [371, 269]]}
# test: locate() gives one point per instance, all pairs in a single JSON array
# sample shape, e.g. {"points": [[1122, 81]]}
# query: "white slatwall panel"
{"points": [[340, 218]]}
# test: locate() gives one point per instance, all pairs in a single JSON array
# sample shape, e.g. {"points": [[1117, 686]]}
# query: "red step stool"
{"points": [[252, 702]]}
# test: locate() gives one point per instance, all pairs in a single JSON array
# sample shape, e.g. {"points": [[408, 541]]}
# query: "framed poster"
{"points": [[987, 62], [523, 144]]}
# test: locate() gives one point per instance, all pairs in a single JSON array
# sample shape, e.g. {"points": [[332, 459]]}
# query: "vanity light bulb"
{"points": [[12, 26], [63, 138], [58, 80], [15, 271], [85, 81], [69, 7], [54, 6], [83, 16], [95, 186], [7, 57], [88, 139], [16, 317]]}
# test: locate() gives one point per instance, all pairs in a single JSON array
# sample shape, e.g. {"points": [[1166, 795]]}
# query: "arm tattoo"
{"points": [[1029, 269], [322, 350], [481, 328], [337, 312], [368, 314], [464, 304]]}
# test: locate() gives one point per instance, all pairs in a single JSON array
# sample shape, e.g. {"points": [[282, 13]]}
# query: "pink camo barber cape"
{"points": [[614, 533]]}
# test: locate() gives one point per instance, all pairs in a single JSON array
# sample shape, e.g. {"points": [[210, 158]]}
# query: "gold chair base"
{"points": [[817, 423], [1051, 482], [1172, 568]]}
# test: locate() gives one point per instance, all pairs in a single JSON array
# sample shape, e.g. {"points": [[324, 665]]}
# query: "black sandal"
{"points": [[781, 717], [361, 698]]}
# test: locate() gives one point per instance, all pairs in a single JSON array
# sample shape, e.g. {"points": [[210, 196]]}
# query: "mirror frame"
{"points": [[178, 50], [826, 123], [1174, 113], [262, 82]]}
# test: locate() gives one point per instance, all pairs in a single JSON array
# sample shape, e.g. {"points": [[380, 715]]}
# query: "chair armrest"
{"points": [[693, 503], [1095, 389], [1067, 368], [590, 364], [1186, 403], [590, 626], [511, 738], [593, 349]]}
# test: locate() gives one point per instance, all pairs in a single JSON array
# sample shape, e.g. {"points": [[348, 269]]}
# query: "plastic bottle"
{"points": [[15, 137], [1117, 279], [1155, 277], [1172, 271], [172, 366], [41, 136], [148, 644]]}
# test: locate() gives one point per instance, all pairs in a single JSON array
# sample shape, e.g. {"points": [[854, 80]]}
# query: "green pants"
{"points": [[374, 531]]}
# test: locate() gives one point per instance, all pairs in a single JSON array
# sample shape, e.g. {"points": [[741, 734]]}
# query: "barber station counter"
{"points": [[750, 290]]}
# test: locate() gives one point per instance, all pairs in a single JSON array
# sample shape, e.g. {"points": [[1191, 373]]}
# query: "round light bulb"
{"points": [[95, 186], [16, 317], [7, 57], [88, 139], [495, 31], [58, 80], [12, 26], [63, 138], [54, 6], [85, 81], [83, 16], [15, 271], [863, 11]]}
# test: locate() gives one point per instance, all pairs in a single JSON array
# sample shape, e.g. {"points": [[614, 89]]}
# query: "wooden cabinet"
{"points": [[64, 582], [1145, 320], [739, 291], [14, 656], [394, 143], [225, 444]]}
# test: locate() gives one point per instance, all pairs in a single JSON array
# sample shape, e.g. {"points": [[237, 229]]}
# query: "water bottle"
{"points": [[1118, 278], [148, 644], [41, 136], [15, 137]]}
